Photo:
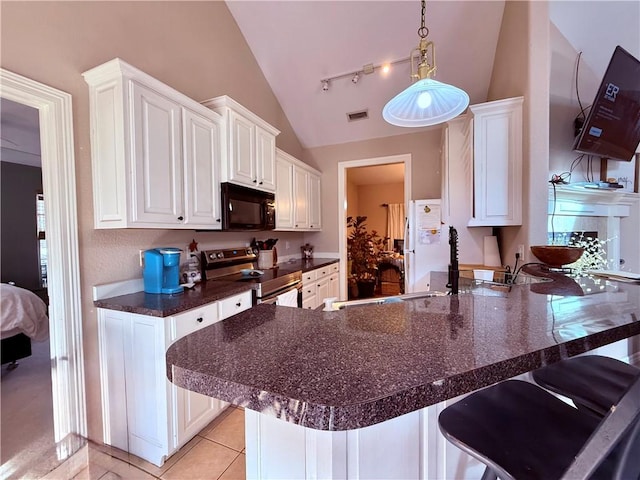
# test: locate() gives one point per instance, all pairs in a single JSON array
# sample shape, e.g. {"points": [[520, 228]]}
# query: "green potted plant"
{"points": [[364, 251]]}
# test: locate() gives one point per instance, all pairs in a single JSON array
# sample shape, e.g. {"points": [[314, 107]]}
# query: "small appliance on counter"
{"points": [[307, 251], [161, 271]]}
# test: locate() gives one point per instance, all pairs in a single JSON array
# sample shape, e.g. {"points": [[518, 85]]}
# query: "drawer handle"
{"points": [[238, 304], [180, 218], [199, 319]]}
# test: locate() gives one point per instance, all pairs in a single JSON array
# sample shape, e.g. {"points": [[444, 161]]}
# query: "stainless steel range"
{"points": [[239, 265]]}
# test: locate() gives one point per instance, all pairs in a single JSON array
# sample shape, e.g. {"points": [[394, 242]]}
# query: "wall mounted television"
{"points": [[612, 128]]}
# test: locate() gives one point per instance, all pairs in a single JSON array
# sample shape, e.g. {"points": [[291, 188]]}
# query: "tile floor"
{"points": [[216, 453]]}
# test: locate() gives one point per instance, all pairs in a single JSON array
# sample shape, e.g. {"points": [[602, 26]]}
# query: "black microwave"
{"points": [[246, 208]]}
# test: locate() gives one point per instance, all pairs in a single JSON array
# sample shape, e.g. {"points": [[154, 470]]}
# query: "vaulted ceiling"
{"points": [[299, 43]]}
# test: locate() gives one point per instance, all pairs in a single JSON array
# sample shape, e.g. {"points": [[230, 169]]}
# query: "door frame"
{"points": [[342, 202], [65, 314]]}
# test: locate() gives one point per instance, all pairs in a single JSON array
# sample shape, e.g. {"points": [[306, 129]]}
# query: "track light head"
{"points": [[355, 77], [325, 85]]}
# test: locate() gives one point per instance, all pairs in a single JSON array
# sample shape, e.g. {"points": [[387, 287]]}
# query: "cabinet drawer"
{"points": [[310, 302], [192, 320], [334, 267], [236, 304], [323, 272], [308, 290], [309, 276]]}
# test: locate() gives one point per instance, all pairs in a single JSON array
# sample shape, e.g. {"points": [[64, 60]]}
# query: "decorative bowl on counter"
{"points": [[557, 255]]}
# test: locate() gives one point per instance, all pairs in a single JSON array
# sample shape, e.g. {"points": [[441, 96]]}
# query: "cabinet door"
{"points": [[265, 160], [334, 285], [242, 150], [300, 192], [315, 202], [497, 145], [202, 156], [323, 289], [147, 389], [284, 194], [157, 158]]}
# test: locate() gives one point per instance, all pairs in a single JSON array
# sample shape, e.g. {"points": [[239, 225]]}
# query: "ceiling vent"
{"points": [[361, 115]]}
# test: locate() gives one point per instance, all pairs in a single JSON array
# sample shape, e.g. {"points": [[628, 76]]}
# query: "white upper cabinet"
{"points": [[298, 194], [497, 163], [202, 149], [155, 153], [250, 146], [284, 193]]}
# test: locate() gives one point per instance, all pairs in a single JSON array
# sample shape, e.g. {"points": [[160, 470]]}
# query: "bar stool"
{"points": [[520, 431], [592, 382]]}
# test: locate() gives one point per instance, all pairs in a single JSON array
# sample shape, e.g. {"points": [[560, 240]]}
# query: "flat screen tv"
{"points": [[612, 128]]}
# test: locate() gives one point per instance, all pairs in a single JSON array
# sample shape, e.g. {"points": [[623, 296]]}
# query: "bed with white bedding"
{"points": [[23, 317]]}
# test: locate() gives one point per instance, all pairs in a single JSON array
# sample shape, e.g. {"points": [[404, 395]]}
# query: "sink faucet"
{"points": [[454, 272]]}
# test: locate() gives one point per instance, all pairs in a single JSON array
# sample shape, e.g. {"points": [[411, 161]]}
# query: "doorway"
{"points": [[378, 167], [63, 276]]}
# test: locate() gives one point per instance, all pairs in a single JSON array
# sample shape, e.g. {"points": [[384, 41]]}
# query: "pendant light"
{"points": [[427, 101]]}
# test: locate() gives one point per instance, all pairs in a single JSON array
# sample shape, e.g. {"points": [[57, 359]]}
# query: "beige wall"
{"points": [[194, 47], [371, 198], [424, 148], [521, 67]]}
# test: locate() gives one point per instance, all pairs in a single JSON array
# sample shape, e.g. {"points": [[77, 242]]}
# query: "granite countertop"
{"points": [[309, 264], [360, 366], [157, 305], [160, 305]]}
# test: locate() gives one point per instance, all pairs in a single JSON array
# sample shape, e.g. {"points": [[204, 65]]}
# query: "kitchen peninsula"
{"points": [[355, 393]]}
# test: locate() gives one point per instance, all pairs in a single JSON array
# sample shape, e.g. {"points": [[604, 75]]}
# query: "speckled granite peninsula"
{"points": [[360, 366]]}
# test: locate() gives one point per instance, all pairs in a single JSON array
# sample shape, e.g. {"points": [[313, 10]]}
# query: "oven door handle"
{"points": [[273, 296]]}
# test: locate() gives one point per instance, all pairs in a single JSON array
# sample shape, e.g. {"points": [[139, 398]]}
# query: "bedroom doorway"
{"points": [[383, 167], [63, 277]]}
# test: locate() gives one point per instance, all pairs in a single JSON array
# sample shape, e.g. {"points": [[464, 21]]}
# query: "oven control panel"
{"points": [[228, 256]]}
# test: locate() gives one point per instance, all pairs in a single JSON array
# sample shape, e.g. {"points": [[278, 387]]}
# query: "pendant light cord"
{"points": [[423, 31]]}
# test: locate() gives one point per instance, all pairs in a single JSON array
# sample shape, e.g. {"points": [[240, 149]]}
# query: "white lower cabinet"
{"points": [[143, 412], [319, 284]]}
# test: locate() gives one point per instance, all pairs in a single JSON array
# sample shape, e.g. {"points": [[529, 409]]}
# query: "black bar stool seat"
{"points": [[521, 431], [593, 382]]}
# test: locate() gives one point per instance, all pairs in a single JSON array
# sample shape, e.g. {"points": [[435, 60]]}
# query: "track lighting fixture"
{"points": [[427, 101], [367, 69]]}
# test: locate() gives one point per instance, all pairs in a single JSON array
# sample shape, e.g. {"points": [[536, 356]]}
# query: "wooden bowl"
{"points": [[557, 255]]}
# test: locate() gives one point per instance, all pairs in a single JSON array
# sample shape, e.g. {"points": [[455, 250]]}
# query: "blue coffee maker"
{"points": [[161, 272]]}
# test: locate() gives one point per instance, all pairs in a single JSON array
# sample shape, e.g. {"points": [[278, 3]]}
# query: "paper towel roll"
{"points": [[491, 252]]}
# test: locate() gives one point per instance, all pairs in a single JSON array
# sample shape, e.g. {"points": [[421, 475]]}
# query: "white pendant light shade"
{"points": [[426, 102]]}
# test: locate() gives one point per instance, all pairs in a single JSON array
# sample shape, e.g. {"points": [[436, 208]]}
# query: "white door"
{"points": [[315, 202], [194, 411], [284, 194], [202, 156], [242, 150], [300, 192], [157, 158], [265, 160]]}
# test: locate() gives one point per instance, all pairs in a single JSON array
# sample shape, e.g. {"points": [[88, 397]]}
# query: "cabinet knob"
{"points": [[260, 183], [296, 225], [218, 220], [255, 181], [311, 226], [238, 304], [180, 218], [199, 319]]}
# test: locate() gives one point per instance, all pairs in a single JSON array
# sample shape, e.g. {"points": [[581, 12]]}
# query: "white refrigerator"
{"points": [[426, 245]]}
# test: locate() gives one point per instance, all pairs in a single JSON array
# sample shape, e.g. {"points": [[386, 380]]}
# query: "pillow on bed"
{"points": [[22, 311]]}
